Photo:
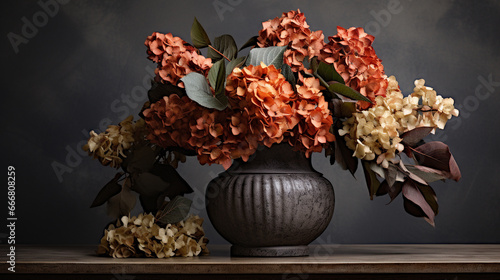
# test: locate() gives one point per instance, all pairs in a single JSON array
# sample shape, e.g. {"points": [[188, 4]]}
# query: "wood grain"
{"points": [[429, 261]]}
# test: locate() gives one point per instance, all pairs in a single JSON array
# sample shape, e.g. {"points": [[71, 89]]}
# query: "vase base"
{"points": [[277, 251]]}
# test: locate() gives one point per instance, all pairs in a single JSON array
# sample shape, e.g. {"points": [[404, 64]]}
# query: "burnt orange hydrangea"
{"points": [[276, 112], [292, 29], [180, 122], [313, 128], [355, 60], [168, 122], [175, 58], [265, 95]]}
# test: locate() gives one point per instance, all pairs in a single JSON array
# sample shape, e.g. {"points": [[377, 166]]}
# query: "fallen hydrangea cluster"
{"points": [[141, 237]]}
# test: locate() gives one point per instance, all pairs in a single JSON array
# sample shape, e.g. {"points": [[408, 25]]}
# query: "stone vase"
{"points": [[274, 204]]}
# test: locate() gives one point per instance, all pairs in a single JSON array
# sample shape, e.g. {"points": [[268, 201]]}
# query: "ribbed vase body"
{"points": [[273, 205]]}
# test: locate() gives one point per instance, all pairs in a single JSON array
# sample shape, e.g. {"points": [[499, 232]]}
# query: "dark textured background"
{"points": [[85, 66]]}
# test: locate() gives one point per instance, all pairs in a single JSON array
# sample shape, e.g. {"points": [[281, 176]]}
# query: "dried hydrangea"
{"points": [[109, 146], [141, 237], [355, 60], [374, 133], [265, 95], [292, 29], [175, 58], [314, 120]]}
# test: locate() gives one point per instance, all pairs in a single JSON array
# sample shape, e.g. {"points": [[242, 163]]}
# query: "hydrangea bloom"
{"points": [[355, 60], [292, 29], [175, 58], [374, 133], [109, 146], [141, 236]]}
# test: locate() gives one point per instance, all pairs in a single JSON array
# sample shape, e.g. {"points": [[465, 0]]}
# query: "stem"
{"points": [[210, 46]]}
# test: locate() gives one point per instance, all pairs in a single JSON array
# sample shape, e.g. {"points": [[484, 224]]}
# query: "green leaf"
{"points": [[235, 63], [328, 73], [287, 72], [198, 35], [269, 56], [347, 92], [250, 43], [217, 77], [198, 90], [224, 44], [174, 211], [121, 204], [372, 182], [111, 189]]}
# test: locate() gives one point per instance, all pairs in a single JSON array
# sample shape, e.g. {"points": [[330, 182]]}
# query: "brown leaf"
{"points": [[426, 173], [430, 197], [372, 182], [391, 173], [139, 159], [177, 184], [122, 203], [343, 155], [109, 190], [412, 137], [393, 191], [437, 155]]}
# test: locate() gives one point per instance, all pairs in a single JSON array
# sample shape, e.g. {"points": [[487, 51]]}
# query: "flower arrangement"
{"points": [[292, 87]]}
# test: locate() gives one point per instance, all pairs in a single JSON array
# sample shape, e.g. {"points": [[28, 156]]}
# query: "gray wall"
{"points": [[85, 66]]}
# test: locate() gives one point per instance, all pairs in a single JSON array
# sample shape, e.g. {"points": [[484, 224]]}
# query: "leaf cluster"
{"points": [[433, 161], [146, 174]]}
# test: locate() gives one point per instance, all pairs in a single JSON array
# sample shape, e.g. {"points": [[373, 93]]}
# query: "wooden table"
{"points": [[430, 261]]}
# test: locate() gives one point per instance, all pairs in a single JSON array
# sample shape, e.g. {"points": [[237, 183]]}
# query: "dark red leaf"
{"points": [[454, 173], [430, 197], [412, 137], [412, 208], [395, 190], [437, 155], [428, 174], [413, 194]]}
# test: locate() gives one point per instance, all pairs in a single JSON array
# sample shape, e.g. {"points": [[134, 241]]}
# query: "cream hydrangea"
{"points": [[141, 236], [374, 133], [109, 146]]}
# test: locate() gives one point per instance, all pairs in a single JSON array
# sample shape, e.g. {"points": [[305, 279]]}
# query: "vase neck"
{"points": [[280, 158]]}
